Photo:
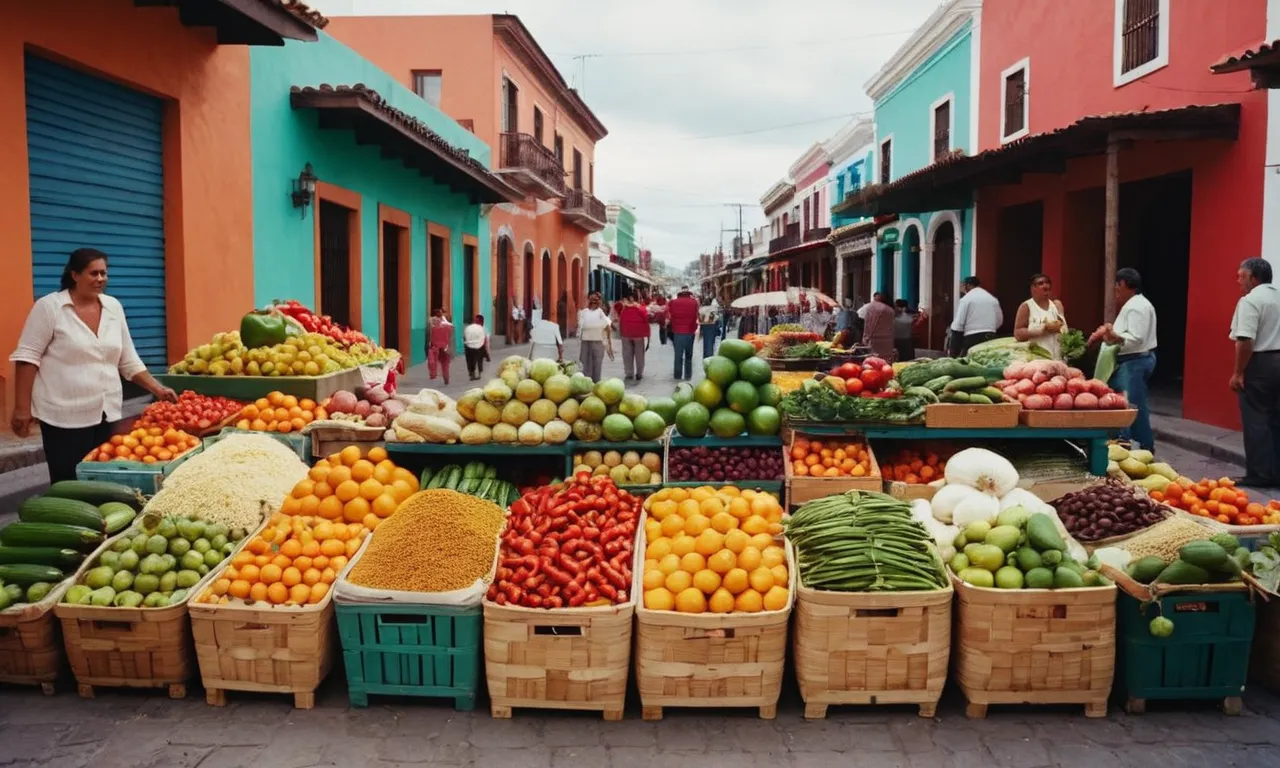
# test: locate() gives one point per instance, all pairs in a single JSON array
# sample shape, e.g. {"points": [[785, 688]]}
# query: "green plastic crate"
{"points": [[410, 650], [1207, 657], [147, 478]]}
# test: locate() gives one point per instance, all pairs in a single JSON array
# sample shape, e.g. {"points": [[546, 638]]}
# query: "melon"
{"points": [[692, 419], [708, 394], [736, 350], [542, 411], [664, 407], [617, 428], [568, 411], [632, 405], [611, 391], [649, 425], [721, 370], [592, 409], [557, 388], [528, 390], [755, 370], [764, 421], [727, 423], [742, 397]]}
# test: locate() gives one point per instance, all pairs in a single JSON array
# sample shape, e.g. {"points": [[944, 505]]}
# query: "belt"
{"points": [[1132, 356]]}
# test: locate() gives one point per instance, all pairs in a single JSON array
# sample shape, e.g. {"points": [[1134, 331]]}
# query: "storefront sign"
{"points": [[855, 245], [889, 237]]}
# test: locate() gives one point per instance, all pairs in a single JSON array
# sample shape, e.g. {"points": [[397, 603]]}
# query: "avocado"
{"points": [[1028, 559], [1066, 578]]}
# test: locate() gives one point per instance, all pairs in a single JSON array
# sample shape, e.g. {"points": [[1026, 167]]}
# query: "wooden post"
{"points": [[1112, 229]]}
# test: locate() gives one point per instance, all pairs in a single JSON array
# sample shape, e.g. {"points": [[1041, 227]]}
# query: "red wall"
{"points": [[1071, 77]]}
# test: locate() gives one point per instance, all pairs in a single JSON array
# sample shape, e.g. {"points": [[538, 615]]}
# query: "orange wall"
{"points": [[208, 197]]}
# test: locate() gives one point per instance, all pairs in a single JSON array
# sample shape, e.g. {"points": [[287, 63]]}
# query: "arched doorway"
{"points": [[547, 300], [910, 280], [529, 275], [575, 290], [942, 283], [562, 293], [502, 290]]}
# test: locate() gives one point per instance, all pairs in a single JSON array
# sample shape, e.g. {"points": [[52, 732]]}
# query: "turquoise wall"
{"points": [[856, 173], [284, 140], [904, 114], [626, 235]]}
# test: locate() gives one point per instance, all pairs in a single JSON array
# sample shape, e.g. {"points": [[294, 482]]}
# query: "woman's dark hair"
{"points": [[479, 319], [900, 303], [77, 262]]}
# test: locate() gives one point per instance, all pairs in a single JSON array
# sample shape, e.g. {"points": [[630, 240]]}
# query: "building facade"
{"points": [[490, 74], [852, 158]]}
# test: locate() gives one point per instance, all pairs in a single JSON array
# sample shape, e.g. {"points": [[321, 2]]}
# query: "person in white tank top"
{"points": [[1041, 318]]}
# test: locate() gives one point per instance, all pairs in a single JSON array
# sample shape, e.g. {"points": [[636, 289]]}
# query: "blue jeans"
{"points": [[683, 344], [710, 332], [1131, 378]]}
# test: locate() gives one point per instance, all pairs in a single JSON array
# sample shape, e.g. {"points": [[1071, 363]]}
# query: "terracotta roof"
{"points": [[302, 11], [360, 100], [950, 180], [526, 46], [1264, 54]]}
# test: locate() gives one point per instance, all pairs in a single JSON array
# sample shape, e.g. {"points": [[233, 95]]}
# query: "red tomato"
{"points": [[873, 362], [871, 378], [848, 370], [853, 385]]}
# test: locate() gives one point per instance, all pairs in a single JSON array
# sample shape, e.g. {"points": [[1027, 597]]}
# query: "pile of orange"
{"points": [[149, 445], [293, 561], [350, 488], [278, 412], [913, 467], [814, 458], [1218, 500]]}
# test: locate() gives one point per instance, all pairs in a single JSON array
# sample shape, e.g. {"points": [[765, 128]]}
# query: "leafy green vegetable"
{"points": [[1072, 344], [811, 350], [1002, 352], [821, 403], [1265, 564]]}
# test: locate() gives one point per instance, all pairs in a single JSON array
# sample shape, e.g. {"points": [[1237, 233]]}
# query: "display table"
{"points": [[1095, 438]]}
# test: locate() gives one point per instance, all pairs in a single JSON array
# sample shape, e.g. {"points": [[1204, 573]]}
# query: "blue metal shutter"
{"points": [[97, 181]]}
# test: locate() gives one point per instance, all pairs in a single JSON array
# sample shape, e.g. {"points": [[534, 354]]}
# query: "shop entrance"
{"points": [[335, 261], [529, 277], [469, 269], [395, 305], [502, 299], [548, 301], [911, 268], [1019, 254], [437, 255], [942, 270]]}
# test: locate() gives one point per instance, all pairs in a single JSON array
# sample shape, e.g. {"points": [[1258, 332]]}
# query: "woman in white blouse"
{"points": [[74, 349]]}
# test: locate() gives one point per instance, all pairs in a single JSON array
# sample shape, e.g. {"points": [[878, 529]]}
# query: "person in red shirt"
{"points": [[660, 317], [633, 323], [683, 314]]}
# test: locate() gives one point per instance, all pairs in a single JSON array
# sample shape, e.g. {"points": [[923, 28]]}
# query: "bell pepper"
{"points": [[261, 328]]}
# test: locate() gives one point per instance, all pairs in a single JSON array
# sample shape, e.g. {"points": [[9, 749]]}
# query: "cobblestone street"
{"points": [[141, 729]]}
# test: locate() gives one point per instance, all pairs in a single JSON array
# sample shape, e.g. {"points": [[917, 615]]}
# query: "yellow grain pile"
{"points": [[1165, 538], [437, 541]]}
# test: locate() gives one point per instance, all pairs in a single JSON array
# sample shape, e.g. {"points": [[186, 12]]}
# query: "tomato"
{"points": [[853, 386], [871, 378], [887, 370], [848, 370], [874, 362]]}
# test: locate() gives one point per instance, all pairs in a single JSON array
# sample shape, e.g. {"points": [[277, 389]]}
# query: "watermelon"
{"points": [[755, 370], [727, 423], [741, 397]]}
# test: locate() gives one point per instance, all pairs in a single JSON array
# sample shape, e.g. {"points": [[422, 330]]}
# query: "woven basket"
{"points": [[871, 648], [1035, 646]]}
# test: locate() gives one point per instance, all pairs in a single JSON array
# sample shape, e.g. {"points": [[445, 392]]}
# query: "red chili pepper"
{"points": [[591, 534], [544, 590], [533, 601], [608, 591], [555, 601], [569, 564], [577, 600]]}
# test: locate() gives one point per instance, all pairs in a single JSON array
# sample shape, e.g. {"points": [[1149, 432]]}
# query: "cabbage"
{"points": [[556, 432], [542, 369], [978, 507], [530, 434]]}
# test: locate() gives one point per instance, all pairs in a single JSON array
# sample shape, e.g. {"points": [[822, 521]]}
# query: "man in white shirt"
{"points": [[475, 344], [1134, 329], [1255, 329], [978, 316], [517, 321]]}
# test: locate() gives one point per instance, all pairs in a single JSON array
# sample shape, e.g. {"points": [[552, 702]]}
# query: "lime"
{"points": [[1161, 627]]}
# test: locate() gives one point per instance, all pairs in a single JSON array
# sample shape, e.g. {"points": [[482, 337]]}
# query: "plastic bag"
{"points": [[1106, 365]]}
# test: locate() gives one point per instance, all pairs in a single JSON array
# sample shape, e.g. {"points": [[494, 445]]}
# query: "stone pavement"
{"points": [[143, 729]]}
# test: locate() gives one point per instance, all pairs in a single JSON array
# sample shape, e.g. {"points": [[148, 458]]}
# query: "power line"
{"points": [[711, 51]]}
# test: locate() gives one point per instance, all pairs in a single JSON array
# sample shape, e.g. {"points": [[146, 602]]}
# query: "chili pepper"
{"points": [[577, 600], [608, 591], [533, 601], [544, 590], [614, 576], [591, 534], [513, 593], [554, 601], [569, 564]]}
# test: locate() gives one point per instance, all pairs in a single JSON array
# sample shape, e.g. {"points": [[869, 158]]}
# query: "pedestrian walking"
{"points": [[475, 342], [633, 325], [682, 313], [978, 317], [439, 345], [708, 327], [660, 318], [535, 312], [517, 322], [877, 331], [545, 341], [1134, 330], [562, 314], [596, 335], [903, 328], [1255, 329], [1041, 318]]}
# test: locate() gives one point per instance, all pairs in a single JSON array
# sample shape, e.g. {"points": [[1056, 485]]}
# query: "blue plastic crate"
{"points": [[410, 650]]}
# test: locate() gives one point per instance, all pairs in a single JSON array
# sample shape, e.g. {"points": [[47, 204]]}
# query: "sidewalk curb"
{"points": [[1200, 445]]}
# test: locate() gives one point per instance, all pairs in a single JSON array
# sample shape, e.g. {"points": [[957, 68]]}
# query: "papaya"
{"points": [[1146, 570], [1066, 578], [1182, 572], [1205, 554], [1043, 534]]}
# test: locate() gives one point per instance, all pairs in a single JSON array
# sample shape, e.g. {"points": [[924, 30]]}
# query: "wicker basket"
{"points": [[803, 489], [559, 658], [871, 648], [128, 647], [1035, 646], [273, 650], [711, 660]]}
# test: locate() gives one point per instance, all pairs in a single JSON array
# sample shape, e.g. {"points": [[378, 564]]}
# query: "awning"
{"points": [[624, 272], [796, 250], [951, 181], [1263, 61], [857, 238], [248, 22], [401, 135]]}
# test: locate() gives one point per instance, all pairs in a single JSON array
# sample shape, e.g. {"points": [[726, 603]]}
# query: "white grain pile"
{"points": [[235, 481]]}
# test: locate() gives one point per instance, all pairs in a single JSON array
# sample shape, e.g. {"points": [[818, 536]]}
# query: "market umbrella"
{"points": [[783, 298]]}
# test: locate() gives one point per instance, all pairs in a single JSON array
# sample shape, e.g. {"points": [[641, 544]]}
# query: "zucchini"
{"points": [[936, 384], [954, 397], [996, 395], [965, 384], [425, 480], [924, 393], [95, 492], [27, 574], [977, 398], [67, 559], [50, 535], [117, 516], [40, 509], [455, 478]]}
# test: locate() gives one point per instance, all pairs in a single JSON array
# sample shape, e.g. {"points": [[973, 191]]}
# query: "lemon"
{"points": [[739, 509], [721, 601], [652, 530], [722, 561], [691, 601], [762, 541], [736, 581], [692, 562], [649, 564], [735, 541], [678, 494], [749, 559], [761, 580], [772, 555], [775, 599], [752, 525], [780, 575], [659, 600], [712, 506], [682, 544], [708, 581], [723, 522], [654, 579], [669, 564], [657, 549], [749, 601], [708, 543], [696, 524], [689, 508], [673, 524], [678, 581], [701, 494]]}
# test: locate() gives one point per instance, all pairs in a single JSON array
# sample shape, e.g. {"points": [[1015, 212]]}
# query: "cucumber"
{"points": [[491, 471], [996, 395], [425, 480], [473, 470], [40, 509], [117, 516], [441, 476], [977, 398], [95, 492], [66, 559], [455, 478], [485, 488], [29, 573], [50, 535], [936, 384], [954, 397], [965, 384], [924, 393]]}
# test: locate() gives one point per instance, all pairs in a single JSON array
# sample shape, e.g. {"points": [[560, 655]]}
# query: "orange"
{"points": [[221, 587], [274, 398], [370, 489], [338, 562], [750, 601], [318, 591], [384, 472], [328, 575], [322, 531], [347, 491], [371, 520], [722, 562], [262, 560], [284, 427], [399, 490], [749, 558], [692, 563], [362, 470], [307, 404], [736, 581], [322, 490], [403, 474], [383, 506], [239, 588], [304, 488], [291, 576], [332, 548], [320, 562], [289, 401], [312, 548], [350, 455], [291, 548], [311, 576], [270, 573], [277, 593], [249, 573], [281, 562], [330, 509], [354, 544], [242, 558], [338, 475], [761, 579], [319, 472], [377, 454], [302, 562], [299, 593], [310, 506], [258, 591]]}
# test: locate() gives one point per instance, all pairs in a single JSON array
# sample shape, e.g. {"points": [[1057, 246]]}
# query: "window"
{"points": [[591, 178], [1141, 38], [886, 159], [806, 215], [537, 125], [426, 83], [940, 122], [559, 150], [1014, 107], [577, 169], [510, 110]]}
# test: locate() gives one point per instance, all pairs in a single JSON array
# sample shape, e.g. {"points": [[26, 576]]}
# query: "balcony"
{"points": [[793, 237], [583, 210], [530, 167]]}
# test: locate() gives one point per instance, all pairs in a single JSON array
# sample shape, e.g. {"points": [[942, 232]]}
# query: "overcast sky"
{"points": [[670, 78]]}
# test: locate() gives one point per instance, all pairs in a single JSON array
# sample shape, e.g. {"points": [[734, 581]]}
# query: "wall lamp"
{"points": [[304, 189]]}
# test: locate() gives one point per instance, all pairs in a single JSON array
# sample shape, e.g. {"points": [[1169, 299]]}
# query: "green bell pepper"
{"points": [[261, 328]]}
